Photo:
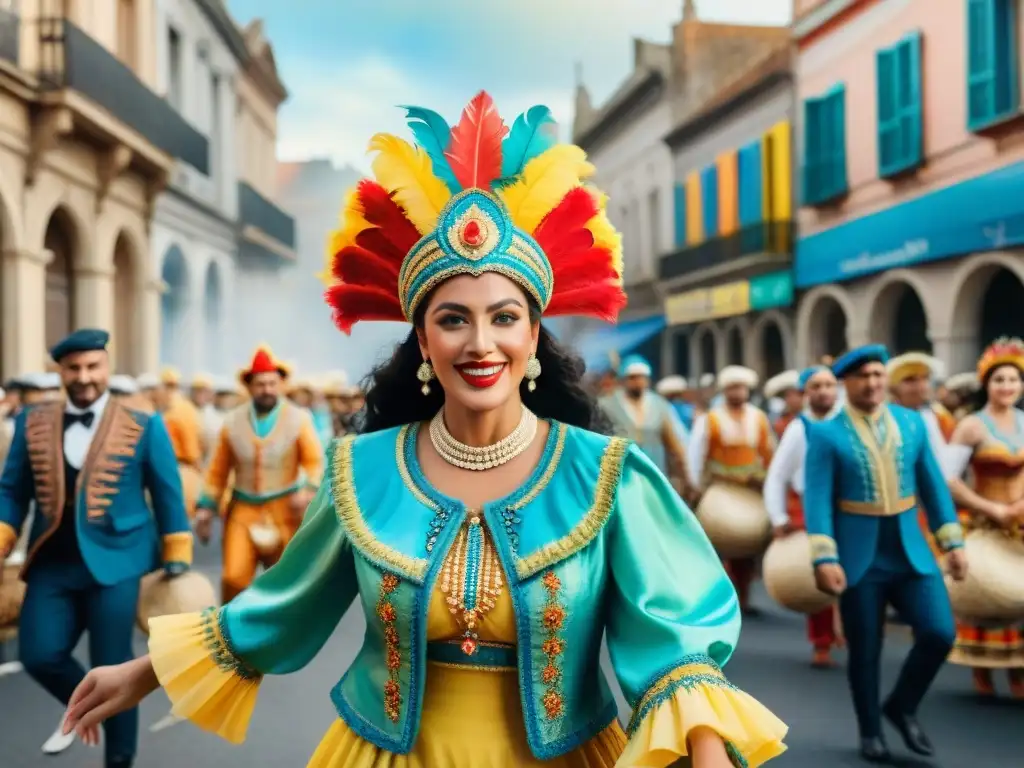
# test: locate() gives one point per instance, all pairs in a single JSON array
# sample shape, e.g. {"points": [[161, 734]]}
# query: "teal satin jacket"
{"points": [[863, 469], [630, 558]]}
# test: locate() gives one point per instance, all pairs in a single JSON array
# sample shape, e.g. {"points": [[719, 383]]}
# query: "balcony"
{"points": [[10, 30], [264, 226], [71, 60], [725, 254]]}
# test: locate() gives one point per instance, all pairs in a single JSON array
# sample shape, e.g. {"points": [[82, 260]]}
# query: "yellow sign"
{"points": [[708, 303]]}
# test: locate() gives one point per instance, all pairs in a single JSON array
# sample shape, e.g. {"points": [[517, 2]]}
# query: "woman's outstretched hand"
{"points": [[105, 692]]}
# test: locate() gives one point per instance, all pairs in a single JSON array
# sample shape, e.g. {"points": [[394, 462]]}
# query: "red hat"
{"points": [[263, 361]]}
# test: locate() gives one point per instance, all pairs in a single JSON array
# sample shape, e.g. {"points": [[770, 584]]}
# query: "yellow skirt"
{"points": [[470, 719]]}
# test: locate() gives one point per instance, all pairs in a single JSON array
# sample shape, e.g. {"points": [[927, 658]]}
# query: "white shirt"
{"points": [[78, 437], [747, 431], [935, 438]]}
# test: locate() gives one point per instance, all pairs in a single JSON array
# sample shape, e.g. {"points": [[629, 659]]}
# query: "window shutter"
{"points": [[679, 201], [889, 149], [912, 100], [812, 150], [837, 138], [981, 62]]}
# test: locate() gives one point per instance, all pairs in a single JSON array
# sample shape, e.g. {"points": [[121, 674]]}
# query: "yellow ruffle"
{"points": [[184, 651], [743, 722]]}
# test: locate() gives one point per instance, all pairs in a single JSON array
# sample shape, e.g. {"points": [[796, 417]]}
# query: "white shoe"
{"points": [[58, 742], [11, 668]]}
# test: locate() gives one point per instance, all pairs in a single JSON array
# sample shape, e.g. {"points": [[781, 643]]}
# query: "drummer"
{"points": [[785, 386], [992, 440], [784, 487], [733, 444]]}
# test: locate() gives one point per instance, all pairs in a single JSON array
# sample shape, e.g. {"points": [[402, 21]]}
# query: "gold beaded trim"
{"points": [[553, 619], [604, 499], [392, 653], [474, 567]]}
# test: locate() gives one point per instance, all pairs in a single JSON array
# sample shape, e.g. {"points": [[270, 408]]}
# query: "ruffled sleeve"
{"points": [[211, 663], [673, 624]]}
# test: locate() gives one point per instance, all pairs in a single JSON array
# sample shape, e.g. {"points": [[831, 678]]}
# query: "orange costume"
{"points": [[185, 429], [273, 456]]}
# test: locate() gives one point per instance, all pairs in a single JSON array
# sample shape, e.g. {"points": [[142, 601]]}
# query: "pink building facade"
{"points": [[910, 146]]}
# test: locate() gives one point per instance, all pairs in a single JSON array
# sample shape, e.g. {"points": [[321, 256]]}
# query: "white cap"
{"points": [[968, 381], [49, 381], [707, 380], [225, 385], [123, 385], [148, 381], [776, 385], [671, 385], [737, 374]]}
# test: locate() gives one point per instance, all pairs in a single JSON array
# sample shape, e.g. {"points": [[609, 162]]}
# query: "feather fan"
{"points": [[475, 150], [433, 135], [533, 133], [405, 171], [544, 182]]}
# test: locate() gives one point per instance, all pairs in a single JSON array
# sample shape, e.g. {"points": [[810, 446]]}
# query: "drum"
{"points": [[735, 520], [12, 593], [788, 575], [192, 485], [994, 587], [161, 596]]}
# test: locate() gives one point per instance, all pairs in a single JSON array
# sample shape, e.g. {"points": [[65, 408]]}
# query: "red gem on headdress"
{"points": [[473, 234]]}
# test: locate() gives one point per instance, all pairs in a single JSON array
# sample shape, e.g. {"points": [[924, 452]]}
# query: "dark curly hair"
{"points": [[393, 396]]}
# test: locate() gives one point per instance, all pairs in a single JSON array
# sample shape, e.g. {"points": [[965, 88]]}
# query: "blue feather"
{"points": [[433, 134], [534, 132]]}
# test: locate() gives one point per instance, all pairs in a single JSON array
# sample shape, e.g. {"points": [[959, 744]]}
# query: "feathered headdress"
{"points": [[1002, 351], [470, 199]]}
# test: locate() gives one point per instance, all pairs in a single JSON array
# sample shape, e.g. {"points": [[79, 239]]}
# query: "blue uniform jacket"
{"points": [[854, 480], [119, 536]]}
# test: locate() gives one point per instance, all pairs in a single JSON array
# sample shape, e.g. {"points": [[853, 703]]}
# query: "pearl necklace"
{"points": [[489, 456]]}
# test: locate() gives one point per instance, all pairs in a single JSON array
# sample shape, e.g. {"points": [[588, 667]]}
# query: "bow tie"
{"points": [[85, 419]]}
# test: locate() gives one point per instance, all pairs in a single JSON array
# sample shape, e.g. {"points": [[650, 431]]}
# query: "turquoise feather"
{"points": [[534, 132], [433, 134]]}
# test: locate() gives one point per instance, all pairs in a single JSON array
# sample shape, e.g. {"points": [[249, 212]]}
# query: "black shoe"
{"points": [[120, 762], [873, 750], [910, 730]]}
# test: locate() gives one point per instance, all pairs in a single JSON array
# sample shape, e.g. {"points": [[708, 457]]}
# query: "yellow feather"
{"points": [[545, 181], [352, 223], [406, 171], [605, 234]]}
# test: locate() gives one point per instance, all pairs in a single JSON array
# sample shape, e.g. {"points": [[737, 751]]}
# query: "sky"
{"points": [[348, 63]]}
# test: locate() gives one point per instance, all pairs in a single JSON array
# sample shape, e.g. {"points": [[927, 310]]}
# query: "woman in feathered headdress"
{"points": [[489, 536], [991, 440]]}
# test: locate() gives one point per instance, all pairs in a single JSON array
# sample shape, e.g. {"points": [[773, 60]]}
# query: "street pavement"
{"points": [[771, 663]]}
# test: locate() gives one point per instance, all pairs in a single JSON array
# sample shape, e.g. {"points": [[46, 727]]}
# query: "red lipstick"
{"points": [[481, 375]]}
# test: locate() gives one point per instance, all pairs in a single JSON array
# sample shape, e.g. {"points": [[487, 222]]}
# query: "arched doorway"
{"points": [[212, 315], [773, 349], [708, 353], [1001, 308], [174, 307], [125, 343], [899, 321], [828, 329], [681, 354], [61, 241], [735, 346]]}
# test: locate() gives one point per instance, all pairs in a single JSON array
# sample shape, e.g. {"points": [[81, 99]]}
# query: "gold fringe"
{"points": [[591, 524]]}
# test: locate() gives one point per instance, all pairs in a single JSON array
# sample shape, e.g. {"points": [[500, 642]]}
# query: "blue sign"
{"points": [[982, 214]]}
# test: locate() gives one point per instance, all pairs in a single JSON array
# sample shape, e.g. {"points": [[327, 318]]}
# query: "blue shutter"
{"points": [[911, 100], [981, 63], [679, 200], [837, 142], [900, 122], [812, 151], [1006, 100], [889, 149], [751, 184], [709, 195]]}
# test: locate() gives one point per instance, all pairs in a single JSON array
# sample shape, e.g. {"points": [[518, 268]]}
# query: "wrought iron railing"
{"points": [[775, 237], [254, 210]]}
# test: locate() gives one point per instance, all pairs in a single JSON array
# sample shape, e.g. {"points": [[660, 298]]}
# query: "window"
{"points": [[825, 147], [127, 32], [654, 222], [992, 93], [679, 199], [174, 74], [215, 127], [899, 106]]}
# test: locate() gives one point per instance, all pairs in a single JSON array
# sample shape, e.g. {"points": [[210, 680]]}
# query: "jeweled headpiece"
{"points": [[471, 199], [1002, 351]]}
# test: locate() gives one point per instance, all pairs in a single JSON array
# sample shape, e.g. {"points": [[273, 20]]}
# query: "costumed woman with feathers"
{"points": [[490, 537]]}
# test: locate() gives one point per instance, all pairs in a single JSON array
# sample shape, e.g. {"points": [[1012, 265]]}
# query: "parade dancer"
{"points": [[868, 471], [784, 487], [785, 386], [271, 446], [88, 465], [490, 545], [733, 443]]}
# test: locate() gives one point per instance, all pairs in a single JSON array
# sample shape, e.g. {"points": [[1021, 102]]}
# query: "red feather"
{"points": [[377, 242], [382, 211], [566, 220], [358, 266], [600, 300], [475, 149], [354, 303], [582, 268]]}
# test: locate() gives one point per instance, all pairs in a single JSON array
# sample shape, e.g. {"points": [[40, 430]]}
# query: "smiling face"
{"points": [[85, 376], [865, 386], [1004, 386], [478, 335]]}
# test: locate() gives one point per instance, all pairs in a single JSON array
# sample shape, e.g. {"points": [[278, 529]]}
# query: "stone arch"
{"points": [[736, 332], [705, 349], [129, 264], [771, 343], [898, 315], [985, 287], [174, 306], [62, 239], [213, 315], [823, 322]]}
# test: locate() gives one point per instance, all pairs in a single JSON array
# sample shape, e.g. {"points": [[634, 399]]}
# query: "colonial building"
{"points": [[199, 52], [86, 146], [912, 158]]}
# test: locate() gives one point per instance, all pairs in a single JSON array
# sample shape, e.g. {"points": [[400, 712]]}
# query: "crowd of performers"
{"points": [[830, 461]]}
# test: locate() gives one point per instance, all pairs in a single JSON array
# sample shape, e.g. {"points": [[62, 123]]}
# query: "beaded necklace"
{"points": [[471, 579]]}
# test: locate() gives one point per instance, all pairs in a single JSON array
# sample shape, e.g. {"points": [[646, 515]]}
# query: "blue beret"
{"points": [[807, 373], [82, 340], [855, 358], [635, 365]]}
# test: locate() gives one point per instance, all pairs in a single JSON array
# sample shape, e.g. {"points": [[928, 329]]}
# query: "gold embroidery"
{"points": [[881, 458], [553, 619], [177, 547], [116, 441], [392, 651], [604, 499], [693, 671], [949, 536], [268, 465], [347, 508], [44, 439], [471, 579], [878, 510], [823, 547]]}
